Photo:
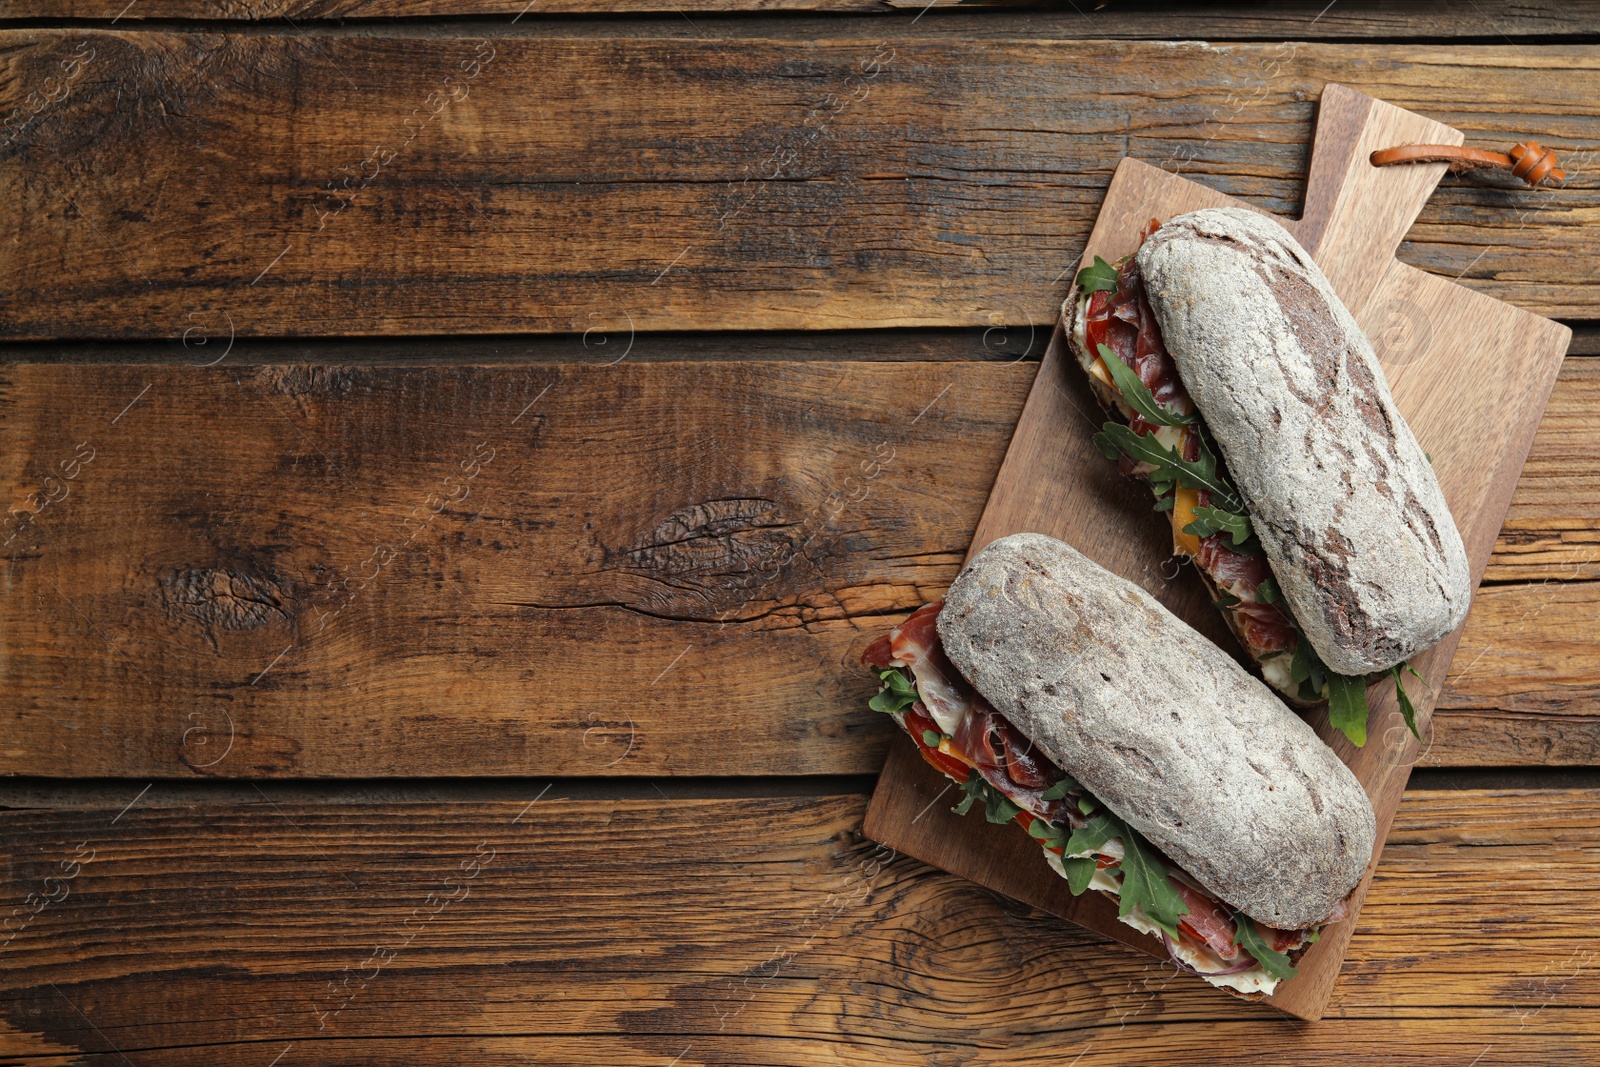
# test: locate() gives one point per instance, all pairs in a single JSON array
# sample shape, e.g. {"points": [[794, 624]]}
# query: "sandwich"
{"points": [[1242, 390], [1146, 762]]}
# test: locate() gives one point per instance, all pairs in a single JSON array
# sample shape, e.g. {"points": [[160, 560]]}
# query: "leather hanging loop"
{"points": [[1530, 161]]}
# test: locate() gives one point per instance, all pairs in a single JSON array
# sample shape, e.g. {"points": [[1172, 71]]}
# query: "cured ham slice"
{"points": [[978, 735], [915, 644], [1266, 629]]}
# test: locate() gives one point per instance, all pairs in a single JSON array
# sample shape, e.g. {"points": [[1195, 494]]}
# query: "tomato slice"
{"points": [[945, 764], [916, 722], [1094, 321]]}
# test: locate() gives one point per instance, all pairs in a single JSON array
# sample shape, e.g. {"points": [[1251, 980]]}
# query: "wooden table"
{"points": [[437, 439]]}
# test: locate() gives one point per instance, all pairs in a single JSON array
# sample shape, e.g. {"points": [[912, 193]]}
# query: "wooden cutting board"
{"points": [[1470, 374]]}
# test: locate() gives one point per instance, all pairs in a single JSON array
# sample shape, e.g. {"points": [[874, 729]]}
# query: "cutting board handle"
{"points": [[1353, 208]]}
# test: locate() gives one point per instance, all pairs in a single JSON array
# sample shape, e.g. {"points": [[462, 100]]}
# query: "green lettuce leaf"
{"points": [[1059, 791], [1145, 884], [997, 807], [1247, 937], [1268, 592], [896, 693], [1080, 870], [1138, 396], [1208, 521], [1347, 706], [1099, 276], [1408, 710], [1116, 439]]}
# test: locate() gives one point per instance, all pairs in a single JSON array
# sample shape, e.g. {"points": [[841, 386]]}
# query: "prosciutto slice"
{"points": [[979, 735], [1206, 922], [1124, 322], [915, 644]]}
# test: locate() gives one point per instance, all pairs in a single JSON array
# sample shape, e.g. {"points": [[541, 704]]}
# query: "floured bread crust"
{"points": [[1345, 503], [1162, 727]]}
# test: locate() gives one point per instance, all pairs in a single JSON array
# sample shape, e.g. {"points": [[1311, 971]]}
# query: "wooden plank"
{"points": [[293, 185], [1000, 344], [761, 930], [1552, 531], [610, 569], [1294, 19], [1524, 688], [972, 343], [223, 512]]}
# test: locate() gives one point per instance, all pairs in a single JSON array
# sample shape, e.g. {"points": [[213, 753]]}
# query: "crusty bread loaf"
{"points": [[1342, 497], [1162, 726]]}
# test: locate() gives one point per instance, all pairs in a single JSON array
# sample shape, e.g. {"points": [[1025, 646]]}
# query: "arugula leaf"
{"points": [[1247, 937], [1115, 440], [1347, 706], [896, 693], [1047, 833], [1092, 835], [1137, 395], [931, 738], [1145, 884], [1080, 870], [1165, 502], [997, 807], [1408, 710], [1144, 877], [1267, 591], [1307, 669], [1060, 790], [1226, 599], [1099, 276], [1208, 521], [973, 792], [1346, 694]]}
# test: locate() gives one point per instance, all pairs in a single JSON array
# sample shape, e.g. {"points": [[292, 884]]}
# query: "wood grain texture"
{"points": [[1479, 422], [1526, 657], [202, 185], [752, 931], [232, 514], [606, 569], [1293, 19], [1552, 529], [973, 343]]}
